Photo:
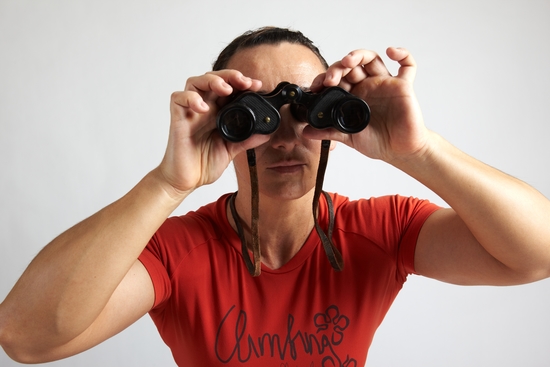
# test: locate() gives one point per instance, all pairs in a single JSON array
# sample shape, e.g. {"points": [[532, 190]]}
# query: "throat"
{"points": [[282, 233], [276, 252]]}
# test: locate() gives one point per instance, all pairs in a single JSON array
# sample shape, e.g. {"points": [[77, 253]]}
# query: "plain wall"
{"points": [[84, 96]]}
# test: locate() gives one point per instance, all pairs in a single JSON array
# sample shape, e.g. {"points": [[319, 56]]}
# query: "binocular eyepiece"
{"points": [[255, 113]]}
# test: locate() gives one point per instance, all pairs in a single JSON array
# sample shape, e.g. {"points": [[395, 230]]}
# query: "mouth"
{"points": [[287, 167]]}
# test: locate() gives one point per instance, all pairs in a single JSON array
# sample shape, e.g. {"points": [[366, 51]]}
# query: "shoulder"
{"points": [[179, 235], [383, 207], [203, 222], [385, 220]]}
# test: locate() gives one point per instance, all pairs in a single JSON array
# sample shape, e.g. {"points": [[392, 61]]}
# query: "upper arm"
{"points": [[132, 299], [446, 250]]}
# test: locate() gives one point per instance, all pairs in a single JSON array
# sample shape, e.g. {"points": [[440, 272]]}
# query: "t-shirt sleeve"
{"points": [[151, 259], [169, 246], [415, 212], [391, 224]]}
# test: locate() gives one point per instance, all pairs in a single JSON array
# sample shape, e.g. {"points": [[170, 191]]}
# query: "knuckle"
{"points": [[175, 95]]}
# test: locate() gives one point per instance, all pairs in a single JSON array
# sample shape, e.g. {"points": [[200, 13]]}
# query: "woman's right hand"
{"points": [[197, 154]]}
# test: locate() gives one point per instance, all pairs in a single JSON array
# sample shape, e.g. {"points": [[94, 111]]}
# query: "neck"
{"points": [[284, 225]]}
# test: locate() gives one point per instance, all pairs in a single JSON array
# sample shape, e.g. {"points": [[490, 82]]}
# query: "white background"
{"points": [[84, 93]]}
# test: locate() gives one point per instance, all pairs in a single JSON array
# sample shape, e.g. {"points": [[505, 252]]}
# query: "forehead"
{"points": [[272, 64]]}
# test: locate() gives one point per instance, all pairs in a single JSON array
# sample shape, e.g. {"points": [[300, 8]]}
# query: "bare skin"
{"points": [[496, 230], [87, 285], [287, 163]]}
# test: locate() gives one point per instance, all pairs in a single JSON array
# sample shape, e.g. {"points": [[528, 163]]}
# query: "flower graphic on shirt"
{"points": [[332, 322]]}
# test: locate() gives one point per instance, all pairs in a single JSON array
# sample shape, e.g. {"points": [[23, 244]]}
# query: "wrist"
{"points": [[418, 156], [436, 165], [157, 179]]}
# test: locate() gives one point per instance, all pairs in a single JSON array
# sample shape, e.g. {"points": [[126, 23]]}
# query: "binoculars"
{"points": [[256, 113]]}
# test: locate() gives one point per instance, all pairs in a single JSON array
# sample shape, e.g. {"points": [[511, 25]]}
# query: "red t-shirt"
{"points": [[211, 312]]}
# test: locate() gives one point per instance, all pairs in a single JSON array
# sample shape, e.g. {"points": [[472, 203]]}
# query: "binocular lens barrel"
{"points": [[237, 123], [352, 115], [256, 113]]}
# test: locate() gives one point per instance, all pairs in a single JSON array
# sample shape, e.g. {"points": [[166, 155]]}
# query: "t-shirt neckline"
{"points": [[310, 244]]}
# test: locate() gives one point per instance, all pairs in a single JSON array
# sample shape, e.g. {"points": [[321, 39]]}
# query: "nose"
{"points": [[289, 133]]}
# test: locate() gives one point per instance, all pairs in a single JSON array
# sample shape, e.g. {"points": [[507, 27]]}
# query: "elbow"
{"points": [[5, 336], [7, 343], [19, 354], [12, 345], [15, 355]]}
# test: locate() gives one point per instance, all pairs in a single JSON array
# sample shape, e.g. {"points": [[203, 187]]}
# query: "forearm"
{"points": [[506, 216], [70, 281]]}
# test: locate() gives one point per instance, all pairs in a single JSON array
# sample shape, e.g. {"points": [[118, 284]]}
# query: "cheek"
{"points": [[313, 146], [240, 164]]}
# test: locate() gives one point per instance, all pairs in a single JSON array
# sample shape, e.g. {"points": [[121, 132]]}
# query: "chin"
{"points": [[286, 191]]}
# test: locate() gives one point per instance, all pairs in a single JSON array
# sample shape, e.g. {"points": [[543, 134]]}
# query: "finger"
{"points": [[208, 83], [356, 75], [317, 83], [407, 64], [353, 77], [354, 67], [254, 141], [335, 73], [212, 86], [239, 81], [370, 62], [186, 100], [222, 83]]}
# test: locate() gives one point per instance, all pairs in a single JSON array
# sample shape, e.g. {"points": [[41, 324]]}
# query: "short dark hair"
{"points": [[265, 36]]}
